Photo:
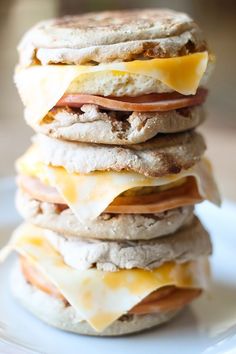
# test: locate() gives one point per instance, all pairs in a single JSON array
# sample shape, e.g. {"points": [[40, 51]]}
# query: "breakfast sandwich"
{"points": [[110, 244], [119, 78]]}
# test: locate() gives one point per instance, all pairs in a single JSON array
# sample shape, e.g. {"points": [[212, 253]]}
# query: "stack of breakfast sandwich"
{"points": [[110, 244]]}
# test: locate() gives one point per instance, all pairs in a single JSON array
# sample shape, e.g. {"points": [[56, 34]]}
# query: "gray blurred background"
{"points": [[217, 18]]}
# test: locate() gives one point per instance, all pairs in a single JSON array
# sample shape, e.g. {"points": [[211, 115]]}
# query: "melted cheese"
{"points": [[89, 195], [41, 87], [102, 297]]}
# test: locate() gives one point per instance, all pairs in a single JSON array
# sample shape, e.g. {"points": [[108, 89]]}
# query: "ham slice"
{"points": [[35, 277], [37, 190], [165, 299], [184, 194], [173, 301], [145, 103]]}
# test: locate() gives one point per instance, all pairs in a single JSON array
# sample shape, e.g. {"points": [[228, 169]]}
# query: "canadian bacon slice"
{"points": [[38, 190], [185, 194], [34, 277], [153, 102], [175, 300]]}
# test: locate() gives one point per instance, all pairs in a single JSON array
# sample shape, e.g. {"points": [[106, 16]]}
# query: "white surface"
{"points": [[208, 326]]}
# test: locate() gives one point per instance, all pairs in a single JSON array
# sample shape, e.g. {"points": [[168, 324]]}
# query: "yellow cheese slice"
{"points": [[41, 87], [102, 297], [89, 195]]}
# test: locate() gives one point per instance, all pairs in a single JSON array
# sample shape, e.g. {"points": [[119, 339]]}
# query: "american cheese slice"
{"points": [[101, 297], [89, 195], [41, 87]]}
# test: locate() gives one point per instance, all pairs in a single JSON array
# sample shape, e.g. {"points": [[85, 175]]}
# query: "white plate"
{"points": [[208, 326]]}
